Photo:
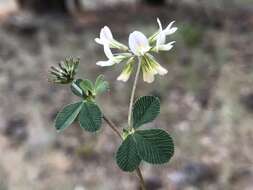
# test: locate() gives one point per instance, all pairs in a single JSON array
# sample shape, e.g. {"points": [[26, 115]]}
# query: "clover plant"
{"points": [[153, 146]]}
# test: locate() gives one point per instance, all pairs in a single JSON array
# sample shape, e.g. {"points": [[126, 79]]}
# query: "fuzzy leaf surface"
{"points": [[90, 117], [127, 156], [87, 85], [67, 115], [145, 110], [101, 85], [154, 146]]}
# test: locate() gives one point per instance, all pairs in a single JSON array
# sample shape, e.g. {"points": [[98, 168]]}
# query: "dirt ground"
{"points": [[207, 101]]}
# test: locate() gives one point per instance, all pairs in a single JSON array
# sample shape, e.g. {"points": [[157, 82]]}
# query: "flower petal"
{"points": [[138, 43], [127, 70], [108, 52], [166, 47], [124, 76], [169, 29], [160, 24], [148, 69], [106, 34], [161, 37], [99, 41], [105, 63], [160, 70], [155, 65], [148, 77]]}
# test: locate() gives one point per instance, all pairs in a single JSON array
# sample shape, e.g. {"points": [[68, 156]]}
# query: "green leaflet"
{"points": [[127, 156], [87, 85], [82, 88], [145, 110], [154, 146], [67, 115], [90, 117], [77, 89], [101, 85], [86, 89]]}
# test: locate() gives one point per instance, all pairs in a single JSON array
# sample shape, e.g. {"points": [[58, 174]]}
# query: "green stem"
{"points": [[138, 171], [133, 92], [114, 127]]}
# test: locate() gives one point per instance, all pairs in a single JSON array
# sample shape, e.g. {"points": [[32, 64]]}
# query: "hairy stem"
{"points": [[112, 126], [115, 129], [133, 92], [138, 171]]}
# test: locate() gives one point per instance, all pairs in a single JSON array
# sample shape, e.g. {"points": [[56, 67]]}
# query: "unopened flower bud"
{"points": [[65, 72]]}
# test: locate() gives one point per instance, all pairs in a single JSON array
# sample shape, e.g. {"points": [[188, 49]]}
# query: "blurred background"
{"points": [[207, 96]]}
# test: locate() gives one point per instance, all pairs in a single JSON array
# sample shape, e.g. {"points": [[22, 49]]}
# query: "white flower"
{"points": [[138, 43], [127, 70], [161, 37], [150, 67], [109, 55], [105, 36], [165, 47], [106, 39], [169, 29], [111, 58], [139, 46], [148, 76]]}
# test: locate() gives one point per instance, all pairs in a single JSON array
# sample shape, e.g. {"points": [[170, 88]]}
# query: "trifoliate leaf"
{"points": [[154, 146], [90, 117], [66, 117], [145, 110], [101, 85], [127, 156]]}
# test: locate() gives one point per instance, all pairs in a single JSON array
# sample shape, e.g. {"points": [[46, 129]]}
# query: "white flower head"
{"points": [[106, 39], [169, 29], [127, 70], [161, 37], [139, 46], [150, 67], [105, 36], [111, 58], [138, 43]]}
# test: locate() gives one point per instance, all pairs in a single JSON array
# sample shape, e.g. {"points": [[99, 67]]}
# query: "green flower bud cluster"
{"points": [[65, 72]]}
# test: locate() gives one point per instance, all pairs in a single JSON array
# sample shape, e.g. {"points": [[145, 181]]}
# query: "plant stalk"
{"points": [[138, 171], [114, 127], [133, 92]]}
